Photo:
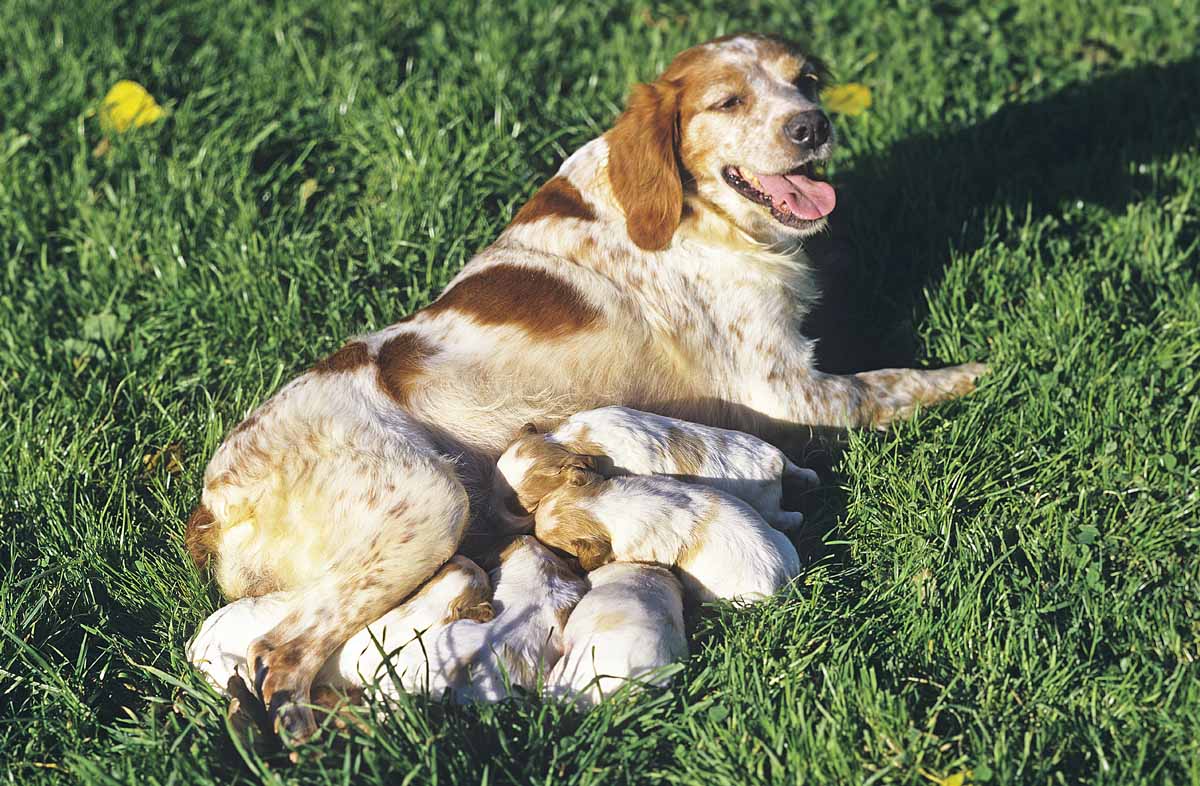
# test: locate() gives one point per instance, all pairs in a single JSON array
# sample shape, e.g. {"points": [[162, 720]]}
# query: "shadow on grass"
{"points": [[901, 210]]}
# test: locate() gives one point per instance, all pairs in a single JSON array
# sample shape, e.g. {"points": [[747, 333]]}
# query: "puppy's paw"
{"points": [[787, 520]]}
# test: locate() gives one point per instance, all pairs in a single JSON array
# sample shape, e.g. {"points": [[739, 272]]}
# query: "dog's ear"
{"points": [[643, 165], [528, 429]]}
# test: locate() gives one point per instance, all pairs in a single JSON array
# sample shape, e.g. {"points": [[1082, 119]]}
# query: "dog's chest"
{"points": [[722, 318]]}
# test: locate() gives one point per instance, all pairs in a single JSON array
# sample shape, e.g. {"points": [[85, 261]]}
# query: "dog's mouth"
{"points": [[797, 199]]}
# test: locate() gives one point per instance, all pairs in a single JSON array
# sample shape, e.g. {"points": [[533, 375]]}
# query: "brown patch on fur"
{"points": [[558, 198], [609, 620], [552, 466], [643, 165], [544, 305], [353, 355], [573, 530], [246, 424], [699, 532], [687, 452], [401, 361], [475, 602], [200, 536]]}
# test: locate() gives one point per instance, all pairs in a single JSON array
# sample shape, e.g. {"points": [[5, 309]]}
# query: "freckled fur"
{"points": [[684, 300]]}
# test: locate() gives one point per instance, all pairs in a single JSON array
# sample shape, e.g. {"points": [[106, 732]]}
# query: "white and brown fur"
{"points": [[535, 592], [721, 548], [627, 628], [477, 657], [623, 441], [460, 590], [636, 276]]}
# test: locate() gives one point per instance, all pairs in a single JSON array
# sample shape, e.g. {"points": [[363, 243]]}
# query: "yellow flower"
{"points": [[957, 779], [128, 104], [852, 98]]}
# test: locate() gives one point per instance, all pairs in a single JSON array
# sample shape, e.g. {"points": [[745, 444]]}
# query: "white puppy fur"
{"points": [[483, 661], [458, 591], [625, 441], [627, 628], [719, 545]]}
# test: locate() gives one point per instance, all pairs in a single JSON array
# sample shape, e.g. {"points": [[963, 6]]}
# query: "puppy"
{"points": [[460, 590], [719, 545], [627, 627], [535, 593], [391, 647], [624, 441]]}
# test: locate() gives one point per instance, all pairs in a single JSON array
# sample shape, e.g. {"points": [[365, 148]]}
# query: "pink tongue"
{"points": [[811, 199]]}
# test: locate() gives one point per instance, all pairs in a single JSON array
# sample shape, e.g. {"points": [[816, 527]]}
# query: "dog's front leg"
{"points": [[870, 399]]}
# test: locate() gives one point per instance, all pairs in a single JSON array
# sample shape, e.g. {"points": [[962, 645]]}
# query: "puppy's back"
{"points": [[628, 627]]}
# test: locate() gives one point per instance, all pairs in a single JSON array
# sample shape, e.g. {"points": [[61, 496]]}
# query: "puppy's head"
{"points": [[733, 127], [528, 470], [459, 590]]}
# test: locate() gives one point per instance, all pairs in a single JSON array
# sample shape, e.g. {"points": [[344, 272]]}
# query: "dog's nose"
{"points": [[809, 129]]}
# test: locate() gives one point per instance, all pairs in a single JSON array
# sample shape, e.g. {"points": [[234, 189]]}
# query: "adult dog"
{"points": [[660, 269]]}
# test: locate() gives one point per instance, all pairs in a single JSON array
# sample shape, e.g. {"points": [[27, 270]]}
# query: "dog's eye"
{"points": [[728, 103]]}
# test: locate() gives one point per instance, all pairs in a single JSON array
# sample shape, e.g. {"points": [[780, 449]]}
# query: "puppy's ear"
{"points": [[593, 553], [528, 429], [577, 476], [643, 165], [581, 461]]}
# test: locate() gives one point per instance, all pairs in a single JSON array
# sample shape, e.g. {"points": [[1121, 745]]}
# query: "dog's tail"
{"points": [[199, 535]]}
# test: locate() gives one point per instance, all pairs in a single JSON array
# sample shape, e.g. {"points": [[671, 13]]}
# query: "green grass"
{"points": [[1007, 585]]}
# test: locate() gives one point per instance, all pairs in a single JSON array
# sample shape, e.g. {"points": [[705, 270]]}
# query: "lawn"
{"points": [[1007, 586]]}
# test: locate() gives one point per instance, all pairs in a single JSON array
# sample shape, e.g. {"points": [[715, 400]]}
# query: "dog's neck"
{"points": [[709, 258]]}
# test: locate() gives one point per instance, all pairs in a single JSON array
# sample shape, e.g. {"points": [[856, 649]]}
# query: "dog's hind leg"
{"points": [[350, 533]]}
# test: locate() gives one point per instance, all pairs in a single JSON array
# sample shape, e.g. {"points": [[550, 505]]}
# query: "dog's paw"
{"points": [[283, 686], [294, 719], [967, 377]]}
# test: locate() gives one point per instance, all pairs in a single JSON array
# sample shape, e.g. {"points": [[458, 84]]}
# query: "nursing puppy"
{"points": [[535, 594], [460, 590], [719, 545], [626, 629], [535, 591], [623, 441]]}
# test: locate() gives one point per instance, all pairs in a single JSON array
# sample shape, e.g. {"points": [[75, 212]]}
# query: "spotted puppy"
{"points": [[626, 629], [624, 441], [719, 545], [460, 590]]}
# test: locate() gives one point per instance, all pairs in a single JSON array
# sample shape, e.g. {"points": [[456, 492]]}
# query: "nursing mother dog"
{"points": [[660, 269]]}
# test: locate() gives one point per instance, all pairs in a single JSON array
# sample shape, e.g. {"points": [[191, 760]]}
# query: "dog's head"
{"points": [[531, 468], [734, 126]]}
